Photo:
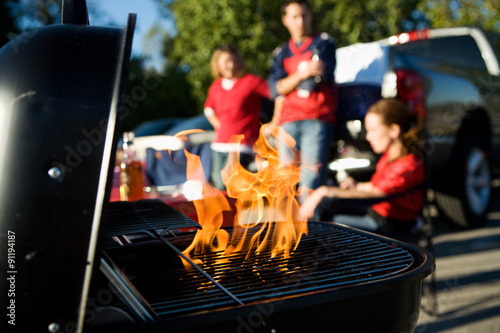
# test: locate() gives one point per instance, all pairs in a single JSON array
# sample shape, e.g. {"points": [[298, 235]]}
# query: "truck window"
{"points": [[495, 43], [459, 50]]}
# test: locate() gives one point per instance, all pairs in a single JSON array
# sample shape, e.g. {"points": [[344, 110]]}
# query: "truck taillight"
{"points": [[406, 37], [410, 89]]}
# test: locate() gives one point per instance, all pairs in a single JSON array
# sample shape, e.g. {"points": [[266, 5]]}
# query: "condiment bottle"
{"points": [[131, 183]]}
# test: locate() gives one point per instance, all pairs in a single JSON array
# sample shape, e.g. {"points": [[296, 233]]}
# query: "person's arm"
{"points": [[278, 106], [366, 187], [349, 182], [282, 83], [359, 192], [328, 56], [289, 83], [312, 201], [210, 106], [271, 127], [212, 118], [277, 72]]}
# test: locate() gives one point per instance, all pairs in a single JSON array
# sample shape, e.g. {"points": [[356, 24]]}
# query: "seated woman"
{"points": [[398, 177]]}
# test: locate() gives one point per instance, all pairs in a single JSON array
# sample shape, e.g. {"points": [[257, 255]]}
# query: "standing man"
{"points": [[302, 82]]}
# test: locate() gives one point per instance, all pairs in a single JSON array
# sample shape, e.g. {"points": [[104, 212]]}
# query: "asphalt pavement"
{"points": [[467, 278]]}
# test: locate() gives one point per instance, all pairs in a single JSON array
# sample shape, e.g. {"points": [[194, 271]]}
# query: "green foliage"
{"points": [[17, 16], [255, 27], [354, 21], [450, 13], [7, 25], [152, 95], [31, 14], [203, 25]]}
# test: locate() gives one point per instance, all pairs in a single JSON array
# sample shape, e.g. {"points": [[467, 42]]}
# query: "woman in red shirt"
{"points": [[399, 174], [233, 107]]}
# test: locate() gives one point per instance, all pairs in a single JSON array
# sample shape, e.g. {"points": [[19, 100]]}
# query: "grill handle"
{"points": [[198, 268], [126, 291]]}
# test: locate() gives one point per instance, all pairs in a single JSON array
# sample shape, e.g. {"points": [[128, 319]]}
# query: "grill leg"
{"points": [[430, 285]]}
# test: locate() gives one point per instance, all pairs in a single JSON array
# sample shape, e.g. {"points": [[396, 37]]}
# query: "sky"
{"points": [[115, 13]]}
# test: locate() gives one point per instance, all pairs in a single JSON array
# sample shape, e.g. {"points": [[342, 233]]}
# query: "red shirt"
{"points": [[396, 177], [238, 109]]}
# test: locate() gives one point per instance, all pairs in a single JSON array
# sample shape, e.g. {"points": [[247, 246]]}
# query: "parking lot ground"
{"points": [[468, 278]]}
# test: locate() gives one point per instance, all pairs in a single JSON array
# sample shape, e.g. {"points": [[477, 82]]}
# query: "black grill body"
{"points": [[338, 278], [60, 88], [82, 264]]}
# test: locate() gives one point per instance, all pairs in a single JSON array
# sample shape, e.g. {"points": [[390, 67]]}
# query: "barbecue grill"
{"points": [[336, 276], [83, 264]]}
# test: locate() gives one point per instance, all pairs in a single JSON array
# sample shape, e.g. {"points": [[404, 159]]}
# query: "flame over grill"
{"points": [[267, 259], [265, 202]]}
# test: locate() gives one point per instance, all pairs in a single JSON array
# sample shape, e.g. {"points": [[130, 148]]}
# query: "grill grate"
{"points": [[129, 217], [329, 257]]}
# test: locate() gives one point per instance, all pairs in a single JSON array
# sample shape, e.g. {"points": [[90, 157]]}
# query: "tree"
{"points": [[358, 21], [33, 14], [255, 27], [203, 25], [7, 21], [152, 95], [449, 13]]}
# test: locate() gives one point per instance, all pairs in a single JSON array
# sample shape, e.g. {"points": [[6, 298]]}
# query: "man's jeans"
{"points": [[313, 140]]}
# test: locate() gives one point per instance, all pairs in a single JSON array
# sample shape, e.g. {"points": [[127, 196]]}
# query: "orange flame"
{"points": [[210, 238], [265, 203]]}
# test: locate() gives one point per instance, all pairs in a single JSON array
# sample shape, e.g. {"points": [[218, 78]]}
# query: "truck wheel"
{"points": [[466, 201]]}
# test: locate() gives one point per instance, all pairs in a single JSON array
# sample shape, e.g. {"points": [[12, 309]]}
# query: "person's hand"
{"points": [[364, 187], [348, 183], [311, 202], [311, 68], [270, 129], [316, 68]]}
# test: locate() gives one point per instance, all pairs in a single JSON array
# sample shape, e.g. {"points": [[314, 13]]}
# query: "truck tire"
{"points": [[466, 199]]}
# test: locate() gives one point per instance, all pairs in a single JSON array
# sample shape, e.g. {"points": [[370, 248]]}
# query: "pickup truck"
{"points": [[451, 79]]}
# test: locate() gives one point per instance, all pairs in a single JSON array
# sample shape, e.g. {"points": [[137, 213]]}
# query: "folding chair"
{"points": [[165, 168]]}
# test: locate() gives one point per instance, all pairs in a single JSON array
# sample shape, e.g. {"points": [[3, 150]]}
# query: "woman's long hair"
{"points": [[393, 111], [238, 60]]}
